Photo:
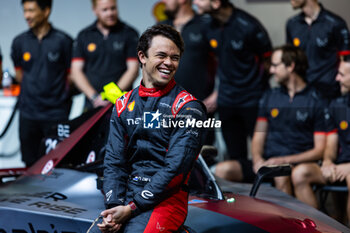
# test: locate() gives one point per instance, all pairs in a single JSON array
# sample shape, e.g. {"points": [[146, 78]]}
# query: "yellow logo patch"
{"points": [[27, 56], [131, 106], [343, 125], [91, 47], [213, 43], [296, 42], [274, 112]]}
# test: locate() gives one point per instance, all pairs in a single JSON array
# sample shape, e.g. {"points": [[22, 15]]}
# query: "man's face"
{"points": [[162, 62], [203, 6], [278, 68], [297, 4], [343, 77], [171, 8], [34, 15], [106, 12]]}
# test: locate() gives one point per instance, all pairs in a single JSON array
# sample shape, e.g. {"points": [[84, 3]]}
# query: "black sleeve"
{"points": [[16, 53], [115, 163], [341, 34]]}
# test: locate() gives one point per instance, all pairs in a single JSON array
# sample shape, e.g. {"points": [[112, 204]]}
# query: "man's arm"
{"points": [[341, 35], [115, 172], [258, 143], [129, 76], [313, 154], [80, 80], [18, 74], [330, 154], [16, 58]]}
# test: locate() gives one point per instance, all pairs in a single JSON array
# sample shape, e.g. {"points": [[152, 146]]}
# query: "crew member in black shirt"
{"points": [[291, 127], [324, 36], [241, 43], [196, 72], [104, 52], [42, 58], [336, 162]]}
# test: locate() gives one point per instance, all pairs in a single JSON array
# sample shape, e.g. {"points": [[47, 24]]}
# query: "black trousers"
{"points": [[237, 125], [32, 133]]}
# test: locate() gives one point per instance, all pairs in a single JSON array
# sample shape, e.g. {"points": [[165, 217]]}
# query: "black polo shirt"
{"points": [[45, 65], [292, 123], [105, 57], [197, 62], [340, 121], [240, 45], [323, 41]]}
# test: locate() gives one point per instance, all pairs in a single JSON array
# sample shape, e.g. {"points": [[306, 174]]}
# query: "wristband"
{"points": [[132, 206], [94, 96]]}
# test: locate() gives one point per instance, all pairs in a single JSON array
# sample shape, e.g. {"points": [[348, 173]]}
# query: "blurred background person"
{"points": [[336, 162], [241, 44], [291, 127], [41, 57], [104, 52], [324, 36], [196, 72]]}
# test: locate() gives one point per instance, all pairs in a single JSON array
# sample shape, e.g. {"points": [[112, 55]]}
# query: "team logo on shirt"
{"points": [[321, 42], [237, 45], [274, 112], [195, 37], [214, 43], [118, 45], [296, 42], [343, 125], [27, 56], [301, 116], [131, 106], [91, 47], [53, 57]]}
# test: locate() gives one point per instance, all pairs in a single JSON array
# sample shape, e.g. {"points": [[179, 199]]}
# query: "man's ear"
{"points": [[142, 57], [215, 4], [47, 12], [291, 67]]}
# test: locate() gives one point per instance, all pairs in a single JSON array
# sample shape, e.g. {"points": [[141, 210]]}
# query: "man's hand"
{"points": [[328, 171], [342, 171], [257, 164], [114, 217], [99, 102], [211, 102], [108, 225]]}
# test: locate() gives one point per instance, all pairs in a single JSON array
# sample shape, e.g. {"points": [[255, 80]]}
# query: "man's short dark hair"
{"points": [[291, 54], [346, 58], [43, 4], [225, 3], [159, 30]]}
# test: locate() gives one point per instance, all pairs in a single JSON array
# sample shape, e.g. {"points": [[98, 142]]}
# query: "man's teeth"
{"points": [[165, 71]]}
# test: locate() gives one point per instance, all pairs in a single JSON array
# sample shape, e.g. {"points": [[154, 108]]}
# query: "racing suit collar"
{"points": [[156, 92]]}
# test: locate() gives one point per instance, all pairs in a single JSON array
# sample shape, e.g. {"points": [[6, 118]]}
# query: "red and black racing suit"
{"points": [[149, 159]]}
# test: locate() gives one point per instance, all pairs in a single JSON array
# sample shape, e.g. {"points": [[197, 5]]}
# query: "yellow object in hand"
{"points": [[111, 92]]}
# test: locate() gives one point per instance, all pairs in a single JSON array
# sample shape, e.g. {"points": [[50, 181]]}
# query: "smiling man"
{"points": [[147, 165], [104, 52], [42, 58]]}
